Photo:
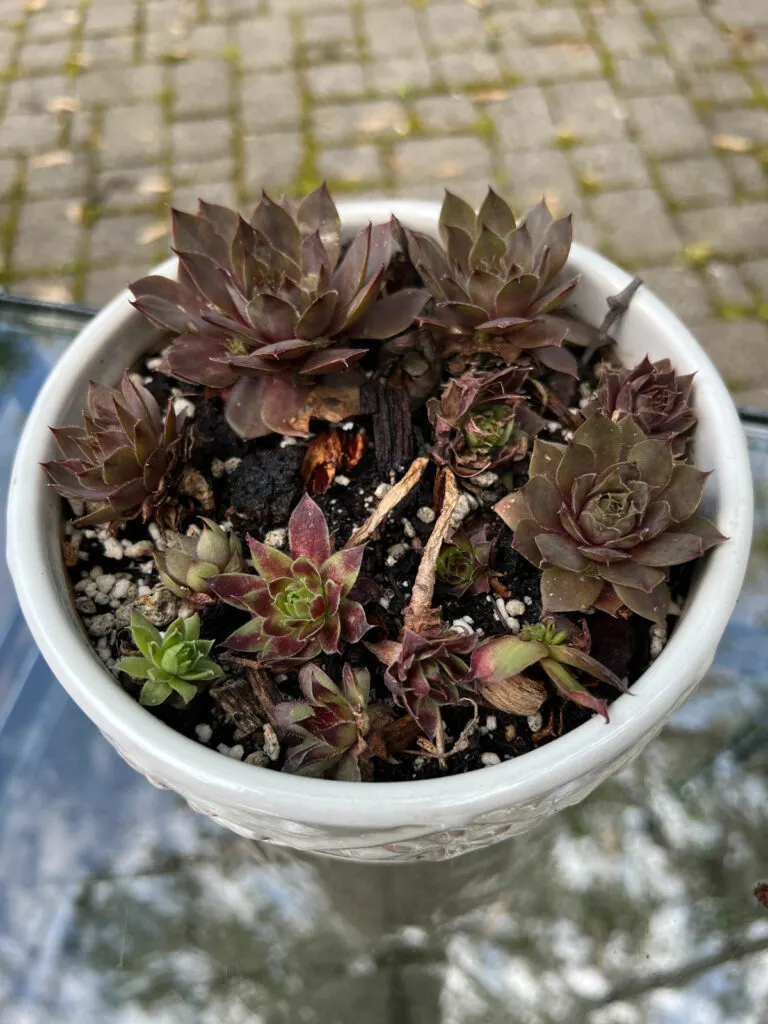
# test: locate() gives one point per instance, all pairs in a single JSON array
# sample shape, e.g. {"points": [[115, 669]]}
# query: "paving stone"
{"points": [[350, 164], [206, 138], [696, 179], [392, 32], [666, 125], [399, 76], [756, 272], [310, 5], [719, 86], [132, 135], [198, 41], [271, 160], [103, 285], [523, 120], [610, 165], [739, 349], [642, 76], [45, 236], [662, 7], [553, 63], [7, 46], [588, 110], [332, 80], [119, 84], [185, 197], [48, 24], [473, 190], [265, 42], [29, 133], [9, 170], [549, 24], [636, 225], [693, 40], [624, 35], [748, 173], [270, 99], [33, 95], [445, 113], [727, 286], [453, 27], [123, 189], [442, 159], [681, 289], [468, 68], [44, 289], [201, 87], [546, 173], [220, 169], [113, 237], [59, 179], [50, 56], [751, 124], [329, 37], [368, 119], [105, 18], [109, 50], [746, 13], [740, 230]]}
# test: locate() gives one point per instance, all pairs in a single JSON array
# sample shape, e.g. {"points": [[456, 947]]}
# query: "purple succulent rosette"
{"points": [[657, 398], [325, 733], [606, 516], [424, 673], [119, 458], [265, 308], [299, 601], [482, 422], [494, 283]]}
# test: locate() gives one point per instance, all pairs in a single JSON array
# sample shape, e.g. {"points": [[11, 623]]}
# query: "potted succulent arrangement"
{"points": [[381, 506]]}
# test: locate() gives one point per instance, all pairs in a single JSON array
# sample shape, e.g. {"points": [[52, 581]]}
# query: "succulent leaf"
{"points": [[463, 565], [188, 563]]}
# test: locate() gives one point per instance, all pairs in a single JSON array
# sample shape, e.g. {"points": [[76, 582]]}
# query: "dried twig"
{"points": [[617, 307], [437, 749], [264, 687], [388, 503], [420, 606]]}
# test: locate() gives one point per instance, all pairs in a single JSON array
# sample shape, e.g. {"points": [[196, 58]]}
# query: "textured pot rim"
{"points": [[449, 801]]}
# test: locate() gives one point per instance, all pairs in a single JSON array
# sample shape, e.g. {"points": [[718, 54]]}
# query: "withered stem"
{"points": [[388, 503], [418, 611]]}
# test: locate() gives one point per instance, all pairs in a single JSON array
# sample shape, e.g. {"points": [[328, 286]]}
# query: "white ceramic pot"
{"points": [[436, 818]]}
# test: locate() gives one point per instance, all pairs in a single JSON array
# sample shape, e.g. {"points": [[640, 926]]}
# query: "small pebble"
{"points": [[395, 553], [489, 758], [259, 758], [85, 605], [386, 599], [153, 363], [426, 514], [104, 654], [237, 752], [490, 723], [515, 608], [348, 425], [101, 625], [140, 549], [381, 490], [122, 589], [143, 590], [157, 536], [484, 480], [223, 749], [217, 469], [113, 548], [96, 571], [342, 481], [535, 722], [100, 598], [107, 582], [82, 585], [510, 733], [271, 743], [528, 601], [658, 638], [183, 405], [231, 464], [276, 538], [467, 503], [204, 732], [408, 529], [160, 606], [288, 442]]}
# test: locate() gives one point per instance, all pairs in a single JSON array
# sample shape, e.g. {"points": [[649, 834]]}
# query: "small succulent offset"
{"points": [[299, 601], [328, 727], [119, 458], [188, 563], [482, 423], [424, 673], [493, 284], [265, 308], [173, 662], [553, 645], [463, 565], [605, 517], [656, 398]]}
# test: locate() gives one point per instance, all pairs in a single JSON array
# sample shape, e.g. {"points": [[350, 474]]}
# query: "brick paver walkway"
{"points": [[647, 118]]}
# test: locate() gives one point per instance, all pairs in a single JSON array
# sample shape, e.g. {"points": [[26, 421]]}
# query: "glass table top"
{"points": [[119, 905]]}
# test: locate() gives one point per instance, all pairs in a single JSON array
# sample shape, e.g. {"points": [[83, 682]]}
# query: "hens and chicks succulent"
{"points": [[277, 318]]}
